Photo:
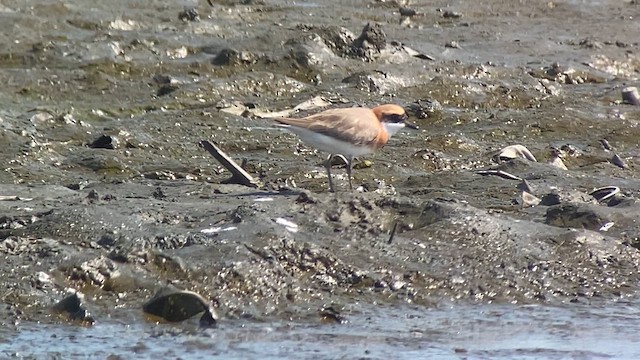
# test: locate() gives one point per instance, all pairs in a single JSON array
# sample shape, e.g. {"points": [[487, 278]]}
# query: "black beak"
{"points": [[399, 119], [411, 125], [408, 124]]}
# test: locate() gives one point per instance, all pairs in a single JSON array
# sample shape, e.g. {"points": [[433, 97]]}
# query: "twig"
{"points": [[393, 232], [239, 176]]}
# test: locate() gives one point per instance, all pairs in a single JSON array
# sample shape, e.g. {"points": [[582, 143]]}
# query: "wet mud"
{"points": [[106, 191]]}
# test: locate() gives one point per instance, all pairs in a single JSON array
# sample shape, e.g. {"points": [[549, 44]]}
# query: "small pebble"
{"points": [[448, 14], [407, 12], [190, 14], [630, 96], [452, 45]]}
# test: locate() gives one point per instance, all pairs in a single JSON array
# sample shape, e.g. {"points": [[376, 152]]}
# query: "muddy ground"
{"points": [[106, 191]]}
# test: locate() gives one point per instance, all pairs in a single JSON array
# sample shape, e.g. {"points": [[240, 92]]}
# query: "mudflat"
{"points": [[105, 190]]}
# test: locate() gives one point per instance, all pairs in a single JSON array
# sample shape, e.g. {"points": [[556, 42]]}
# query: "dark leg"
{"points": [[349, 162], [328, 167]]}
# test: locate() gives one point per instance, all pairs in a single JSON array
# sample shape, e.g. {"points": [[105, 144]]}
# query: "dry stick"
{"points": [[393, 232], [9, 198], [239, 176], [500, 173]]}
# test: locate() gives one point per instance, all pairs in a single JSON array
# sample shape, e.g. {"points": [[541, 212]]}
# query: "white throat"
{"points": [[392, 128]]}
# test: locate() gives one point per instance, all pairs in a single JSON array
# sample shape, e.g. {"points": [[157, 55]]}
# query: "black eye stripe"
{"points": [[396, 118]]}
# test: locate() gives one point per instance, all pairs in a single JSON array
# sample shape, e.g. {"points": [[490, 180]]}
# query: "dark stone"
{"points": [[162, 79], [573, 216], [448, 14], [107, 240], [78, 186], [158, 194], [72, 307], [337, 38], [207, 320], [370, 42], [233, 57], [425, 108], [190, 14], [239, 214], [104, 142], [166, 89], [305, 197], [370, 81], [169, 263], [404, 11], [330, 314], [109, 197], [175, 305], [92, 196], [550, 199]]}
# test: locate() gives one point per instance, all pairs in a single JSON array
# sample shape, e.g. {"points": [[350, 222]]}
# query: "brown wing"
{"points": [[357, 125]]}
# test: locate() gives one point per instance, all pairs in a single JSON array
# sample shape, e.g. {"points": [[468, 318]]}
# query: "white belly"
{"points": [[328, 144]]}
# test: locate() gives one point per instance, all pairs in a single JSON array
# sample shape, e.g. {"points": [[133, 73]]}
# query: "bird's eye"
{"points": [[397, 117]]}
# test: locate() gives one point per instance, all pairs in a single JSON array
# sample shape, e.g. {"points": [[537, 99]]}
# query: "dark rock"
{"points": [[370, 42], [452, 44], [524, 186], [123, 251], [425, 108], [620, 200], [160, 175], [169, 263], [107, 240], [569, 150], [405, 11], [109, 197], [158, 194], [305, 197], [239, 214], [162, 79], [310, 51], [207, 319], [337, 38], [449, 14], [175, 305], [92, 197], [94, 272], [189, 14], [230, 56], [105, 142], [78, 186], [72, 307], [574, 216], [166, 89], [330, 314], [370, 81], [591, 43]]}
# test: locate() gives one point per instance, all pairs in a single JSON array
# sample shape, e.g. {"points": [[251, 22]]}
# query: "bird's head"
{"points": [[393, 118]]}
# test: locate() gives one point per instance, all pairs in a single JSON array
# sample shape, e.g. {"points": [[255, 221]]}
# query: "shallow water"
{"points": [[452, 332]]}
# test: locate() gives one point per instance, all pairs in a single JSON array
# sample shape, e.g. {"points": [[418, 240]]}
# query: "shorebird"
{"points": [[348, 132]]}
